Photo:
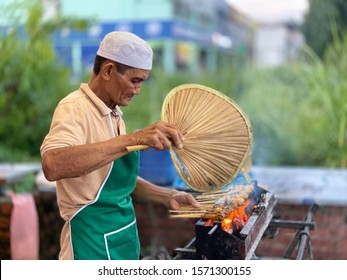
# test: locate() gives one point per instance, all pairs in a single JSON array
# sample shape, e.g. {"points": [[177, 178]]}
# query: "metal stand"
{"points": [[302, 236]]}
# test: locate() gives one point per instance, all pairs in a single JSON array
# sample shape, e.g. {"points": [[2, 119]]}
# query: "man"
{"points": [[85, 152]]}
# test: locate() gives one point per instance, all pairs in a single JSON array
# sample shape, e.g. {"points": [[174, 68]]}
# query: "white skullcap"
{"points": [[126, 48]]}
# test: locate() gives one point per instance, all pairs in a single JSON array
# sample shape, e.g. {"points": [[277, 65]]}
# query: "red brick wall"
{"points": [[5, 220], [328, 239], [50, 225]]}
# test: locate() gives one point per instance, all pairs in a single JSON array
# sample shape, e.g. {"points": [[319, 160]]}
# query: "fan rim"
{"points": [[173, 154]]}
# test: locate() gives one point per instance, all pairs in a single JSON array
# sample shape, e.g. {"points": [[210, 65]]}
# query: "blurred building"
{"points": [[276, 44], [186, 35], [274, 26]]}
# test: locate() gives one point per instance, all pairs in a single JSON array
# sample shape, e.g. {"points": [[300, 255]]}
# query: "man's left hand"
{"points": [[180, 199]]}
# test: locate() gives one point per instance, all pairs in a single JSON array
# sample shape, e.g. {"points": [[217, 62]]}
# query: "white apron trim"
{"points": [[114, 232]]}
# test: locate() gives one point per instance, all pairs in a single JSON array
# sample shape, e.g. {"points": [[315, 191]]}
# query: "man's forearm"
{"points": [[69, 162], [148, 192]]}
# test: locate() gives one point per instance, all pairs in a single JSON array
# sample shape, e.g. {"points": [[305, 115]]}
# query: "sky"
{"points": [[272, 10]]}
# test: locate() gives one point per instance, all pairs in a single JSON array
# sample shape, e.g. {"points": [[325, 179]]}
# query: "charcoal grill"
{"points": [[211, 242]]}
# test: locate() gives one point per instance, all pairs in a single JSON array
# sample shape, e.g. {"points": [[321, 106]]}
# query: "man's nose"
{"points": [[137, 89]]}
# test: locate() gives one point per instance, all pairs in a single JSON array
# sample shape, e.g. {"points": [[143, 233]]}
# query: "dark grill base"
{"points": [[226, 246]]}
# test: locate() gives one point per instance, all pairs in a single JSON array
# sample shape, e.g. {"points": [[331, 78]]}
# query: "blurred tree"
{"points": [[317, 27], [326, 85], [299, 111], [31, 78]]}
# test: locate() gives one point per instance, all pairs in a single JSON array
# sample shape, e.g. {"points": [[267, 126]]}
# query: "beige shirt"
{"points": [[80, 118]]}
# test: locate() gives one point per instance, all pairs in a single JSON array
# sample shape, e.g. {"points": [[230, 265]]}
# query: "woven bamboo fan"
{"points": [[217, 136]]}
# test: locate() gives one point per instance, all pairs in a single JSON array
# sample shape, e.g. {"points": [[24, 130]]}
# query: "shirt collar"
{"points": [[98, 103]]}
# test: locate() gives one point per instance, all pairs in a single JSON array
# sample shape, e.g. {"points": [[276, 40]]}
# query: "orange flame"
{"points": [[236, 219]]}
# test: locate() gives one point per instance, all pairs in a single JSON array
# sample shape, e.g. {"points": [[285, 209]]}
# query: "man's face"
{"points": [[125, 86]]}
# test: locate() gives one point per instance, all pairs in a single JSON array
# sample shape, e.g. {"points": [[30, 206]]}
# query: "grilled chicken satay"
{"points": [[237, 195], [218, 213], [228, 203]]}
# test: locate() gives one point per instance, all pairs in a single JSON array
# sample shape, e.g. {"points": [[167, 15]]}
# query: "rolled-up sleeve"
{"points": [[67, 128]]}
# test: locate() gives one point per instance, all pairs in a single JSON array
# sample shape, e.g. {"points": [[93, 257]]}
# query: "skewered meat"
{"points": [[217, 205], [228, 203], [218, 213], [238, 195]]}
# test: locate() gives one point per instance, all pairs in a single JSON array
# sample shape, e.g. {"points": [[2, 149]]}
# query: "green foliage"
{"points": [[327, 84], [299, 112], [27, 184], [31, 79], [318, 23], [272, 99]]}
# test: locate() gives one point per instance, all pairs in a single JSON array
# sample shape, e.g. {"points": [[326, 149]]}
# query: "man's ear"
{"points": [[107, 69]]}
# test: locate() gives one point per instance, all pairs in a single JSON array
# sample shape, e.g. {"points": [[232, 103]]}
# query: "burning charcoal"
{"points": [[236, 236]]}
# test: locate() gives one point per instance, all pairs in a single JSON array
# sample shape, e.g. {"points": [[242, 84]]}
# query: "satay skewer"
{"points": [[186, 216]]}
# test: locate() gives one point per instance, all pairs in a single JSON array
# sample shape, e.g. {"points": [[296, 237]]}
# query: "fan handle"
{"points": [[137, 148]]}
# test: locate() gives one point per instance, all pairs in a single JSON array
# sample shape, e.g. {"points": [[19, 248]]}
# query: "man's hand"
{"points": [[180, 198], [160, 136]]}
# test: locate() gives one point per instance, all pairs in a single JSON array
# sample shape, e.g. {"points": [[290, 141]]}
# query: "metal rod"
{"points": [[305, 235], [301, 236], [292, 224], [187, 249], [213, 229]]}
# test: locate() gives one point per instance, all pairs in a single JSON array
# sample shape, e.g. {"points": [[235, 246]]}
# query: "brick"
{"points": [[6, 207]]}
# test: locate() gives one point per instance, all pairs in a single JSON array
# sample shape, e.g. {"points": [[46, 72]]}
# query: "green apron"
{"points": [[106, 228]]}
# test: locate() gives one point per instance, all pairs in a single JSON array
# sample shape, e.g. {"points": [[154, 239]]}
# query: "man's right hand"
{"points": [[160, 136]]}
